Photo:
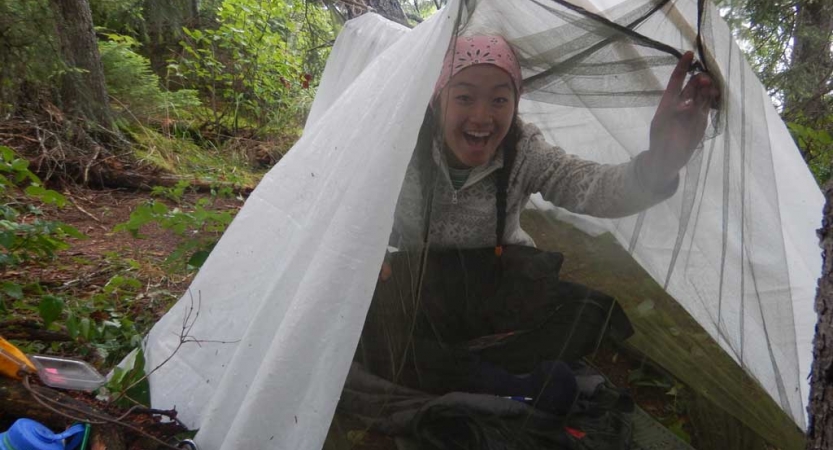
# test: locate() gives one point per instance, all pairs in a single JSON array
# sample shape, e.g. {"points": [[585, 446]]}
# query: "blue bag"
{"points": [[27, 434]]}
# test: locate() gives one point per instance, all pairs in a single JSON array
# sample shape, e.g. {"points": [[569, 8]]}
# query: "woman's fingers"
{"points": [[681, 118], [697, 94], [672, 91], [386, 271]]}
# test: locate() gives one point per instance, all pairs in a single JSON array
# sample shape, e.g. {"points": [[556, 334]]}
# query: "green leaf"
{"points": [[6, 153], [8, 239], [140, 392], [132, 371], [159, 208], [47, 196], [35, 190], [72, 325], [50, 309], [117, 379], [20, 165], [85, 329], [198, 259], [12, 290], [677, 428], [71, 231]]}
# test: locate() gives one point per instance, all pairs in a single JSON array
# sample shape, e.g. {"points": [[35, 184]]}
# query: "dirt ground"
{"points": [[86, 267], [81, 274], [89, 263]]}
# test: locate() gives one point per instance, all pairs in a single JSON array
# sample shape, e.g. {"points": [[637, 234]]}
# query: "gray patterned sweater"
{"points": [[467, 218]]}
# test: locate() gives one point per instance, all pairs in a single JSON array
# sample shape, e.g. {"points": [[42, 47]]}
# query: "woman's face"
{"points": [[476, 110]]}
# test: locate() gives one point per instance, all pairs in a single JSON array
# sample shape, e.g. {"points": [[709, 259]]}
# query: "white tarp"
{"points": [[282, 299], [288, 286]]}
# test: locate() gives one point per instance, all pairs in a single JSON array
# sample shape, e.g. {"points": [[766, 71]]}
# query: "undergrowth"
{"points": [[168, 128], [105, 310], [137, 91], [181, 156], [27, 239], [197, 223], [228, 103]]}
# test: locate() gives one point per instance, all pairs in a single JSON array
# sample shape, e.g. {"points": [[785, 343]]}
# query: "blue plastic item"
{"points": [[26, 434]]}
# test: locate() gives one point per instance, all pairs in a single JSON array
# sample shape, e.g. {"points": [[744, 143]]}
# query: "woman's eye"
{"points": [[500, 100], [464, 98]]}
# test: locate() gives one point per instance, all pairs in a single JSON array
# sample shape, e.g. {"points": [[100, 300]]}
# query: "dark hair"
{"points": [[510, 143], [428, 171]]}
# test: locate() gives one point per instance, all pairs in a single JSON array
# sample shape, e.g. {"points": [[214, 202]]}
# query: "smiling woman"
{"points": [[478, 105], [474, 168], [306, 248], [477, 110], [476, 162]]}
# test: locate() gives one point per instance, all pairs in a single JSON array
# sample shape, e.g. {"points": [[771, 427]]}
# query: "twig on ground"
{"points": [[90, 163], [99, 419], [87, 213], [41, 399], [184, 338], [19, 136], [139, 409]]}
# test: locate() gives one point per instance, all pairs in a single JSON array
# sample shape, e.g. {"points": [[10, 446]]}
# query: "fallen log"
{"points": [[17, 402], [30, 330], [74, 156], [115, 175]]}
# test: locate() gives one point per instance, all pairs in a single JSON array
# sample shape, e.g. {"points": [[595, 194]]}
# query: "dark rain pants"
{"points": [[474, 307]]}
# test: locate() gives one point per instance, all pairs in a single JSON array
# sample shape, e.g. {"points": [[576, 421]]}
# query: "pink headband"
{"points": [[472, 50]]}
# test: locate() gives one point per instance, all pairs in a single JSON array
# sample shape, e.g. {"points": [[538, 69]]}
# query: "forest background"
{"points": [[179, 106]]}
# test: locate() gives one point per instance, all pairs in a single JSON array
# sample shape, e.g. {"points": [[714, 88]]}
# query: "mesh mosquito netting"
{"points": [[713, 281]]}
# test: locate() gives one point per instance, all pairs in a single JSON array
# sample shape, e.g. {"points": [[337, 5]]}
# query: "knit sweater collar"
{"points": [[477, 173]]}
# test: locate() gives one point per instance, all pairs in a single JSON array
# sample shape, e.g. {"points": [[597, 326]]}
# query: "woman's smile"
{"points": [[477, 109]]}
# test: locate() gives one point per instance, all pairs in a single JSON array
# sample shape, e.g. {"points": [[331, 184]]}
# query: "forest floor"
{"points": [[115, 284], [104, 257], [112, 275], [87, 271]]}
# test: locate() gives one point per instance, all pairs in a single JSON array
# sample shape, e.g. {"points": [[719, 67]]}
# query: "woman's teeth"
{"points": [[476, 137]]}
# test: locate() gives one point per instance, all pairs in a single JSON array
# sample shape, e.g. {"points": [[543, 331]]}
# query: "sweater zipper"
{"points": [[470, 181]]}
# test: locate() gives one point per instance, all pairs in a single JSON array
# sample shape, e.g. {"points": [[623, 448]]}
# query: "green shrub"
{"points": [[23, 239], [198, 225], [136, 89], [256, 64], [24, 235], [121, 16], [816, 147]]}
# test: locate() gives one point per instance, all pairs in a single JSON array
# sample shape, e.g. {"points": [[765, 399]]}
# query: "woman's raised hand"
{"points": [[679, 122], [385, 272]]}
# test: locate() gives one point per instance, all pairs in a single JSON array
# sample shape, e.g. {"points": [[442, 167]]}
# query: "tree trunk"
{"points": [[820, 423], [389, 9], [164, 20], [812, 63], [83, 91]]}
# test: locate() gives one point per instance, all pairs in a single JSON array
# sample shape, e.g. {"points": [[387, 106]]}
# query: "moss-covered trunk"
{"points": [[83, 92], [820, 423]]}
